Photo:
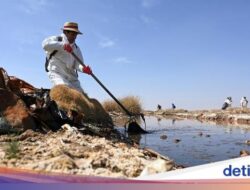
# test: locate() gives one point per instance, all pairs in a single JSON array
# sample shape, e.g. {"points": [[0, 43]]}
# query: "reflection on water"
{"points": [[190, 142]]}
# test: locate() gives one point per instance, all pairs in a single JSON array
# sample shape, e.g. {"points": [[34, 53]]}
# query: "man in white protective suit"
{"points": [[227, 103], [60, 64], [243, 102]]}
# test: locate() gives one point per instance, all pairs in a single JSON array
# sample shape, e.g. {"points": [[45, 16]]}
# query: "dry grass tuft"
{"points": [[70, 99], [132, 103], [111, 106]]}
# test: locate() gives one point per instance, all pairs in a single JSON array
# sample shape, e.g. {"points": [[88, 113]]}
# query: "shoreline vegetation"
{"points": [[131, 103]]}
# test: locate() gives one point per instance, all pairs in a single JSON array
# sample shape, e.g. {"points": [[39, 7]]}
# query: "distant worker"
{"points": [[173, 106], [243, 102], [227, 103], [159, 107], [60, 64]]}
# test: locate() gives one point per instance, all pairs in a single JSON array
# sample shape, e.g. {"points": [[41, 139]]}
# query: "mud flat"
{"points": [[231, 116]]}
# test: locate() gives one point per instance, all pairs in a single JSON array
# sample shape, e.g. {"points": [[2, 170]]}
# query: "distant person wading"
{"points": [[60, 64], [173, 106], [158, 107]]}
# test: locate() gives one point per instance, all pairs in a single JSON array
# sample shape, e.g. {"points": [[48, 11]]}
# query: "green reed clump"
{"points": [[12, 149]]}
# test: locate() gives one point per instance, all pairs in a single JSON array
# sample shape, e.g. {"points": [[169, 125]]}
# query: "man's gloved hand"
{"points": [[87, 70], [67, 48]]}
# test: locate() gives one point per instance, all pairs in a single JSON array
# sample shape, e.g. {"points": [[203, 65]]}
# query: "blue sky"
{"points": [[194, 53]]}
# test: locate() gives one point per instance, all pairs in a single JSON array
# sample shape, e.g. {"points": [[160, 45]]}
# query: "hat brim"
{"points": [[74, 30]]}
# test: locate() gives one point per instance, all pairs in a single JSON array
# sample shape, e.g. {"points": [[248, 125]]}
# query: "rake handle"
{"points": [[100, 83]]}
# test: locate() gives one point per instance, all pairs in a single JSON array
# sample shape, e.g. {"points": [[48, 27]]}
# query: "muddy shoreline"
{"points": [[231, 116]]}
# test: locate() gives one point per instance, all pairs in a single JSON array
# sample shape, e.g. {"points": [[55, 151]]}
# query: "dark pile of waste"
{"points": [[25, 107]]}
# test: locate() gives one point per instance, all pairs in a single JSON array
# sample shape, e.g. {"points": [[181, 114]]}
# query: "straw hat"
{"points": [[71, 26]]}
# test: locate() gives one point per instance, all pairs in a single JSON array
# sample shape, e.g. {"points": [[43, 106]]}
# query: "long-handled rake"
{"points": [[133, 126]]}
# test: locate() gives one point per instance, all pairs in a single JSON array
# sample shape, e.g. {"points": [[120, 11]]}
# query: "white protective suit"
{"points": [[62, 66], [243, 102], [229, 102]]}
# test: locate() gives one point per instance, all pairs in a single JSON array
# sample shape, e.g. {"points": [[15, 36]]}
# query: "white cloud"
{"points": [[105, 43], [122, 60], [33, 6]]}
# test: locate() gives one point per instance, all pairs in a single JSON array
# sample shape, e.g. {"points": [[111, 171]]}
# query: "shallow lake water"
{"points": [[200, 143]]}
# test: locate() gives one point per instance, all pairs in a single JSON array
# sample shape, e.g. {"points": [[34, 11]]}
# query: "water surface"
{"points": [[200, 143]]}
